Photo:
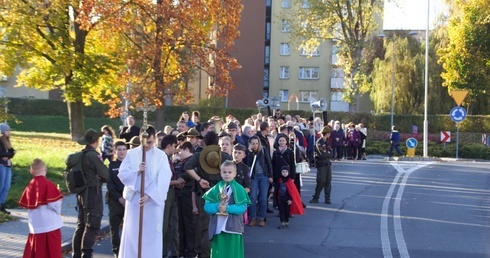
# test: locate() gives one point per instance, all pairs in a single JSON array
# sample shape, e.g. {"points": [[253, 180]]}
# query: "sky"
{"points": [[410, 14]]}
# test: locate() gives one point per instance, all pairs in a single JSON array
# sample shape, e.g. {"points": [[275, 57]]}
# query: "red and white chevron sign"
{"points": [[445, 136], [484, 139]]}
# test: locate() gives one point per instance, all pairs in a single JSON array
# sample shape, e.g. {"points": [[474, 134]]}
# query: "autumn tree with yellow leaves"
{"points": [[90, 49]]}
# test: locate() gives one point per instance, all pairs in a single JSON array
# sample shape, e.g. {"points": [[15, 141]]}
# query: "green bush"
{"points": [[381, 122]]}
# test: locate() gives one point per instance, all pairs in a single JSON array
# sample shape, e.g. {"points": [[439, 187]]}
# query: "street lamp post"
{"points": [[426, 90], [392, 39]]}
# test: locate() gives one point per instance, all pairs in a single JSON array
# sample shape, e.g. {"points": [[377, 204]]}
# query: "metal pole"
{"points": [[426, 122], [457, 139], [392, 80]]}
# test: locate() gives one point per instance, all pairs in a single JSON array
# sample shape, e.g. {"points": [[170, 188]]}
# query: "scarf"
{"points": [[240, 196]]}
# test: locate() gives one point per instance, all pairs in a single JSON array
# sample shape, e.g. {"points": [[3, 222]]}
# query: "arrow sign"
{"points": [[411, 143], [445, 136], [457, 114]]}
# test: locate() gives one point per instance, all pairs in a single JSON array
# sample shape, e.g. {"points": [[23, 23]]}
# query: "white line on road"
{"points": [[385, 238], [400, 240]]}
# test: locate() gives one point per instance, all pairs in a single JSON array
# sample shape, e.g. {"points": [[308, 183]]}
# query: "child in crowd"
{"points": [[243, 171], [43, 200], [289, 201], [226, 202]]}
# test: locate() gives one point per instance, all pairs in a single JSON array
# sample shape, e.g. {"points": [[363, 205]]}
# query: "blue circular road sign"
{"points": [[411, 143], [457, 114]]}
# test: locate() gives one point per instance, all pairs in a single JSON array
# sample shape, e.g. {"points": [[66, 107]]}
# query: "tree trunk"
{"points": [[75, 116], [160, 120]]}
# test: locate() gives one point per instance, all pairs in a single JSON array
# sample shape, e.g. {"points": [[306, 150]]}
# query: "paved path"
{"points": [[14, 234]]}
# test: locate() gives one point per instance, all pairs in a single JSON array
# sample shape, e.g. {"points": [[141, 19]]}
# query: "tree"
{"points": [[54, 51], [409, 77], [351, 23], [167, 42], [466, 58], [409, 84]]}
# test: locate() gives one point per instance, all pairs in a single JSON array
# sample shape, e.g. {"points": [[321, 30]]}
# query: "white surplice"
{"points": [[157, 182]]}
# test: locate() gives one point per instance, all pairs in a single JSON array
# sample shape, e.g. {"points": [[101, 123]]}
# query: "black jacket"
{"points": [[264, 159], [4, 153], [126, 134], [114, 184], [283, 159]]}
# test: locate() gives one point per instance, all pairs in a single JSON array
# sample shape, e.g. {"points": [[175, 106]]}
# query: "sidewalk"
{"points": [[14, 233]]}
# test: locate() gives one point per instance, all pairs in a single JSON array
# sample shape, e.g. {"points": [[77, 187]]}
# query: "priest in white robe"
{"points": [[157, 181]]}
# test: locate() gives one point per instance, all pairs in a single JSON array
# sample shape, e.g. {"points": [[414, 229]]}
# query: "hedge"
{"points": [[379, 122]]}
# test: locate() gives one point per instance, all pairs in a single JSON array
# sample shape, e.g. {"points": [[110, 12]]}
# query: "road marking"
{"points": [[385, 238], [397, 224]]}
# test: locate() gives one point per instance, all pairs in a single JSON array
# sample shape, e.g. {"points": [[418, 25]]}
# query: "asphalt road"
{"points": [[383, 209]]}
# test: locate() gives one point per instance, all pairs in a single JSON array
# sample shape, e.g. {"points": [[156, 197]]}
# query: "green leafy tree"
{"points": [[466, 58], [409, 85], [55, 51], [409, 77], [351, 23]]}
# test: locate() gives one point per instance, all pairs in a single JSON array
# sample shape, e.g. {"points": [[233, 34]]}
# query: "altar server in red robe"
{"points": [[43, 200]]}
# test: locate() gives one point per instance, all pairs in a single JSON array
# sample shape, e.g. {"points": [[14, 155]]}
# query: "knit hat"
{"points": [[4, 127]]}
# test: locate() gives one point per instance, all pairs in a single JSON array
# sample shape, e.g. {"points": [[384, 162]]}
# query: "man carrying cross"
{"points": [[154, 169]]}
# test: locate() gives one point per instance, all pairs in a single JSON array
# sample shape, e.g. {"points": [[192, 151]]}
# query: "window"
{"points": [[285, 26], [336, 96], [305, 4], [308, 96], [336, 83], [308, 73], [284, 49], [315, 52], [266, 77], [284, 72], [267, 54], [284, 95], [268, 3], [286, 4], [268, 31], [337, 73]]}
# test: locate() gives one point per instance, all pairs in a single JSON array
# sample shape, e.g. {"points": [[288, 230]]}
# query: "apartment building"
{"points": [[297, 77]]}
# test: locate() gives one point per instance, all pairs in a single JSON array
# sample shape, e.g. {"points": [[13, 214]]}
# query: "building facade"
{"points": [[297, 77]]}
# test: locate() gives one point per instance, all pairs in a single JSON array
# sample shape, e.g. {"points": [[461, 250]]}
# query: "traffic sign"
{"points": [[445, 136], [459, 96], [411, 143], [457, 114], [484, 139]]}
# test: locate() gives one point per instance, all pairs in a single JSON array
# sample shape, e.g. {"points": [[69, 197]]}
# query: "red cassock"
{"points": [[297, 205], [41, 191]]}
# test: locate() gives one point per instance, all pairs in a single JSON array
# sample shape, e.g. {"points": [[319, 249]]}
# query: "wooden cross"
{"points": [[145, 110], [144, 135]]}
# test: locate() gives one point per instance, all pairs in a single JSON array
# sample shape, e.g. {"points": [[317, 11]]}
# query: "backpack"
{"points": [[74, 176]]}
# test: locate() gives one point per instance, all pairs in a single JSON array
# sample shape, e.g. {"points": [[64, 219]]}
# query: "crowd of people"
{"points": [[203, 181]]}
